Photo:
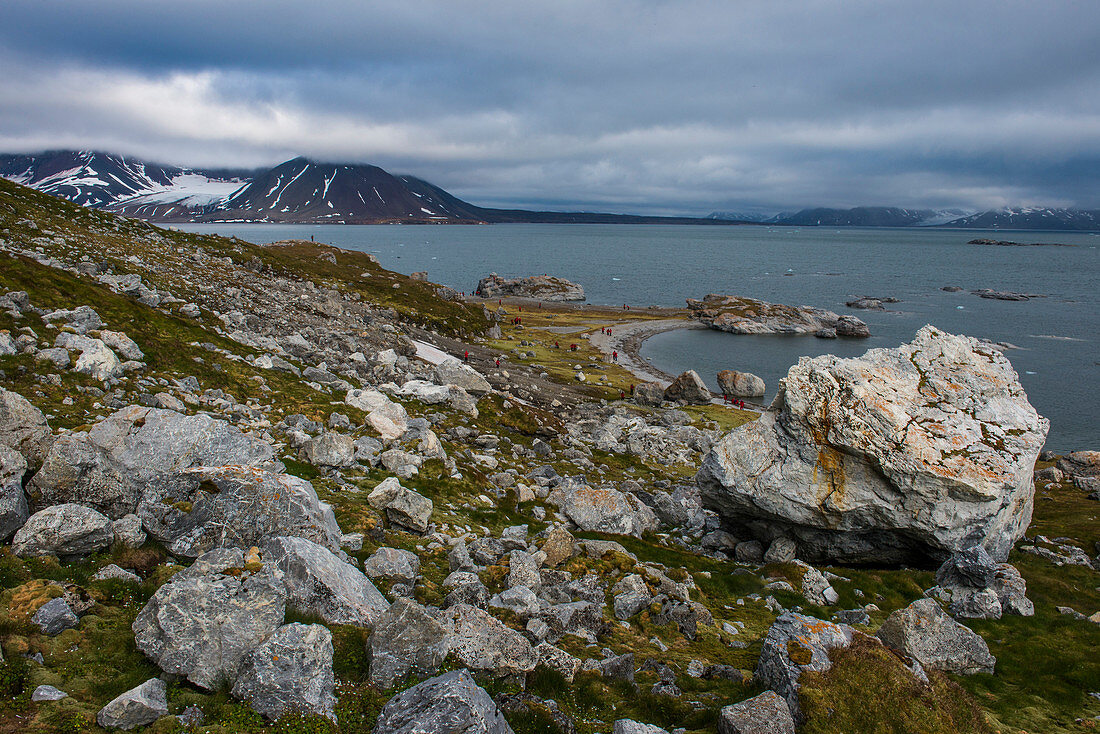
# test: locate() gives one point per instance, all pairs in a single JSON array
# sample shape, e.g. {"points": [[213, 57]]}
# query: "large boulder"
{"points": [[901, 455], [108, 467], [764, 714], [797, 643], [390, 419], [740, 384], [688, 388], [13, 502], [603, 509], [291, 671], [322, 584], [136, 707], [479, 641], [24, 428], [406, 640], [535, 287], [330, 450], [96, 359], [208, 507], [204, 621], [63, 530], [451, 703], [453, 372], [924, 632], [404, 508]]}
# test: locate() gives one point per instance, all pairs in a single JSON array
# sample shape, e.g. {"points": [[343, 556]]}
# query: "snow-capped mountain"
{"points": [[303, 191], [1031, 218], [126, 185]]}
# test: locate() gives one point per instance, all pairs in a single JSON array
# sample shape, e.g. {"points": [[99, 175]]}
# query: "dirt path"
{"points": [[627, 338]]}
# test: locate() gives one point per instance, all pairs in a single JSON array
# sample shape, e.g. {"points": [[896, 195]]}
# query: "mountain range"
{"points": [[308, 192]]}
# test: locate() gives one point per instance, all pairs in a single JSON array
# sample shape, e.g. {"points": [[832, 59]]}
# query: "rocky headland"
{"points": [[740, 315], [535, 287]]}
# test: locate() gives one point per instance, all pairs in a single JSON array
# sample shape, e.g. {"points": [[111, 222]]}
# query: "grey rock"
{"points": [[449, 703], [136, 707], [603, 510], [474, 594], [749, 551], [81, 319], [202, 623], [403, 507], [852, 327], [191, 716], [63, 530], [557, 660], [688, 388], [781, 550], [740, 384], [631, 595], [96, 359], [977, 587], [857, 458], [127, 531], [581, 618], [48, 693], [796, 643], [534, 287], [320, 583], [617, 667], [24, 428], [54, 617], [111, 572], [394, 564], [479, 641], [14, 510], [290, 671], [519, 600], [459, 558], [523, 570], [764, 714], [199, 509], [969, 567], [629, 726], [649, 393], [453, 372], [121, 344], [330, 450], [108, 467], [405, 641], [816, 588], [924, 632]]}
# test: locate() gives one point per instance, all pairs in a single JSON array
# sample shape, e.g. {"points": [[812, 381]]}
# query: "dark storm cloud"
{"points": [[643, 106]]}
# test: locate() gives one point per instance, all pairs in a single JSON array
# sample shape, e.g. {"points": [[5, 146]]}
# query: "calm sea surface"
{"points": [[1057, 335]]}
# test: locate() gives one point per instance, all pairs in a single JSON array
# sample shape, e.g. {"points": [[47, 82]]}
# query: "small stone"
{"points": [[54, 617], [48, 693], [136, 707]]}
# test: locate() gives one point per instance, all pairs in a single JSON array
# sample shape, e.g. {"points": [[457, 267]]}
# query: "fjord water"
{"points": [[1057, 335]]}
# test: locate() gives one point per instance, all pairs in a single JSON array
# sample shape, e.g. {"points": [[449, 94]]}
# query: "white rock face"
{"points": [[901, 455], [387, 417]]}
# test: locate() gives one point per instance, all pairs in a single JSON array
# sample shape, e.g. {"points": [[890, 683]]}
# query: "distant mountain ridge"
{"points": [[302, 191]]}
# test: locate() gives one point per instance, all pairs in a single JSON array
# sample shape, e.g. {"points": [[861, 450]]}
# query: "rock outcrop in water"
{"points": [[739, 315], [540, 287], [901, 455]]}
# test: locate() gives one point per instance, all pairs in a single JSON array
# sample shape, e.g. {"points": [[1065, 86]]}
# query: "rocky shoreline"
{"points": [[282, 488]]}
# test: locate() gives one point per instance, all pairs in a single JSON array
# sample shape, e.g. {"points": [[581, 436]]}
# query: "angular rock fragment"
{"points": [[290, 671], [764, 714], [405, 641], [927, 634], [451, 702], [136, 707], [63, 530], [796, 643], [603, 509]]}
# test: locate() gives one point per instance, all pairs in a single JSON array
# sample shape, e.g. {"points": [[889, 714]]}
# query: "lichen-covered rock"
{"points": [[796, 643], [290, 671], [390, 419], [330, 450], [688, 388], [631, 596], [406, 640], [479, 641], [740, 384], [136, 707], [603, 509], [63, 530], [204, 621], [24, 428], [453, 372], [900, 455], [629, 726], [558, 660], [974, 586], [128, 532], [208, 507], [318, 582], [403, 507], [764, 714], [559, 546], [108, 467], [927, 634], [96, 359], [393, 564], [451, 702], [14, 510]]}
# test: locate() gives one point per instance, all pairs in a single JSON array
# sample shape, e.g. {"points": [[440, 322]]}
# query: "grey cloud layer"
{"points": [[629, 106]]}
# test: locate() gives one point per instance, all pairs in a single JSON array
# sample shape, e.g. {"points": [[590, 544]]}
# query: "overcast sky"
{"points": [[616, 105]]}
